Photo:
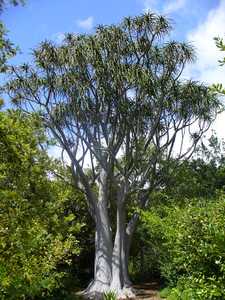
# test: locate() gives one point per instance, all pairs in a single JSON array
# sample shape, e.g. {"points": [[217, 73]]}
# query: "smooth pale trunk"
{"points": [[117, 275], [103, 248], [103, 244], [120, 283], [111, 261], [125, 250]]}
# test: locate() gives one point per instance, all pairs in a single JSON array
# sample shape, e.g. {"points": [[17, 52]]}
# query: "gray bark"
{"points": [[117, 280], [103, 243], [120, 283], [111, 260], [125, 251], [117, 275], [120, 279]]}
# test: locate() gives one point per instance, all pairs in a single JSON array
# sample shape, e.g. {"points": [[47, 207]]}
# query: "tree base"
{"points": [[96, 290]]}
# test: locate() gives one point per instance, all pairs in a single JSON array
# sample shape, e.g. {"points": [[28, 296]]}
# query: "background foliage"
{"points": [[191, 246], [37, 230]]}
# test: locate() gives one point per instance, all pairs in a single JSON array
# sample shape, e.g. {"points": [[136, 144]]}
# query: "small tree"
{"points": [[115, 98]]}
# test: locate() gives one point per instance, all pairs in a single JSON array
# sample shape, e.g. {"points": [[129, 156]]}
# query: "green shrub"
{"points": [[37, 232], [189, 240]]}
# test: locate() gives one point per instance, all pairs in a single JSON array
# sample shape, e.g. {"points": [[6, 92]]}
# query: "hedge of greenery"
{"points": [[37, 230], [189, 241]]}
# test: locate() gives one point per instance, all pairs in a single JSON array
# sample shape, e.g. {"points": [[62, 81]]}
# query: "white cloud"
{"points": [[86, 24], [173, 6], [207, 69], [168, 7]]}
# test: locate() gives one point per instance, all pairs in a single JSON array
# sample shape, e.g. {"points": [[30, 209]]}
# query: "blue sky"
{"points": [[50, 19], [196, 21]]}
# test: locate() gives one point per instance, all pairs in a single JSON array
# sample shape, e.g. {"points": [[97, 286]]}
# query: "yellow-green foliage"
{"points": [[36, 232], [190, 246]]}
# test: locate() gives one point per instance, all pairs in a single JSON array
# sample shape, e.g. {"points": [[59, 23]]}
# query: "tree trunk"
{"points": [[111, 261], [116, 282], [120, 283], [103, 245], [125, 251]]}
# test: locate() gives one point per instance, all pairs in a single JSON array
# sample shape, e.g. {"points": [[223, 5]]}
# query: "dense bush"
{"points": [[37, 230], [189, 240]]}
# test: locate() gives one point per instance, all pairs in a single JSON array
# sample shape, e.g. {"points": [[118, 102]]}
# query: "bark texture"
{"points": [[111, 256]]}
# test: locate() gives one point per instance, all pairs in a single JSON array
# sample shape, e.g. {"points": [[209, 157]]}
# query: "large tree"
{"points": [[116, 99]]}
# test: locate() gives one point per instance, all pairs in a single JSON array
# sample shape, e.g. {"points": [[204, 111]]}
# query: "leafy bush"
{"points": [[189, 240], [37, 232]]}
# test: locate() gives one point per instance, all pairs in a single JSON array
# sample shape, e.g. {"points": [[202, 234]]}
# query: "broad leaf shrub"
{"points": [[190, 242], [37, 230]]}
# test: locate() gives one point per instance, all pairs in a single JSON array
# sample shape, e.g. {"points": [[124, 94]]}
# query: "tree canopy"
{"points": [[116, 89]]}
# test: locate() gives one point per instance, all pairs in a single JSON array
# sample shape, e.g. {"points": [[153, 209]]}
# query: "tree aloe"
{"points": [[115, 99]]}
